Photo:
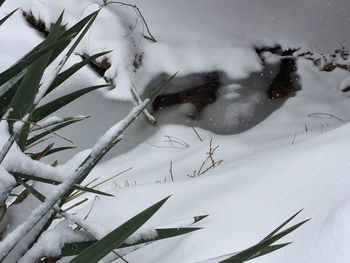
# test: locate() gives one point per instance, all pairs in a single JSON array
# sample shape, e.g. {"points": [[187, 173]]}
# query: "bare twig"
{"points": [[295, 136], [150, 36], [195, 131], [209, 159], [148, 116], [112, 177], [326, 114], [173, 143], [174, 140], [38, 142], [80, 193], [42, 127], [76, 204], [44, 152], [171, 171]]}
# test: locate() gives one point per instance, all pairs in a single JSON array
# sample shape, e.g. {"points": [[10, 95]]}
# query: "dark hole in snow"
{"points": [[200, 95], [283, 85], [201, 89], [346, 89]]}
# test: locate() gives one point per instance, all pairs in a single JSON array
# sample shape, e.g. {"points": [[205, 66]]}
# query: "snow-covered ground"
{"points": [[291, 154]]}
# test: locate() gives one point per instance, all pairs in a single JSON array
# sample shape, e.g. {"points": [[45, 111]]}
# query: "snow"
{"points": [[7, 182], [142, 234], [115, 132], [345, 83], [279, 156], [52, 241]]}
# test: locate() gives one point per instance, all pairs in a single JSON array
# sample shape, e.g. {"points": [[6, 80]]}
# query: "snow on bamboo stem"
{"points": [[53, 120], [11, 240], [117, 130], [7, 182], [146, 235]]}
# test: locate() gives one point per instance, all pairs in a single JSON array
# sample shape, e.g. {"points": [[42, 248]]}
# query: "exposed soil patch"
{"points": [[38, 24], [338, 59], [282, 85], [99, 67]]}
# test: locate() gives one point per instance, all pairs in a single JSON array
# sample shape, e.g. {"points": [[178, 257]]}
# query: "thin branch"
{"points": [[41, 127], [295, 136], [210, 157], [137, 98], [171, 171], [150, 36], [195, 131], [326, 114]]}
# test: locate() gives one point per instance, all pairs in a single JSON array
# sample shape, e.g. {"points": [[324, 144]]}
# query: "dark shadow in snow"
{"points": [[239, 106]]}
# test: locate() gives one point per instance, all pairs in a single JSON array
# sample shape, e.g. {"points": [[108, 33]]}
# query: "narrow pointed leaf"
{"points": [[132, 118], [72, 249], [62, 77], [56, 49], [199, 218], [269, 250], [23, 101], [37, 137], [24, 63], [282, 225], [35, 156], [55, 182], [256, 249], [31, 189], [74, 30], [7, 17], [42, 125], [52, 106], [113, 240]]}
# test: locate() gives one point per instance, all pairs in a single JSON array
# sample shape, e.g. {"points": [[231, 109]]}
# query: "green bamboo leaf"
{"points": [[56, 49], [282, 225], [6, 98], [70, 51], [97, 158], [62, 77], [255, 250], [28, 177], [31, 189], [68, 34], [82, 34], [23, 101], [199, 218], [42, 125], [73, 249], [269, 250], [74, 30], [114, 239], [54, 128], [7, 17], [35, 156], [91, 190], [18, 67], [52, 106]]}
